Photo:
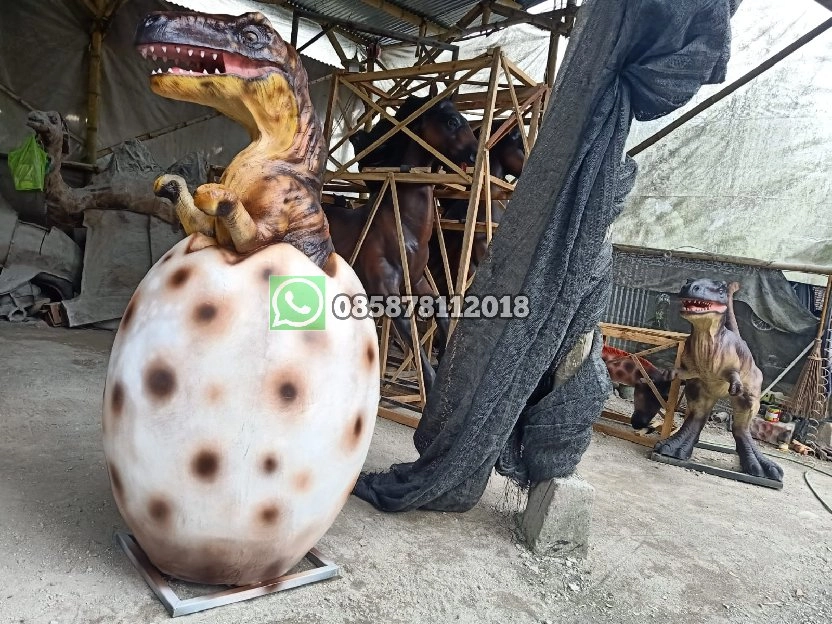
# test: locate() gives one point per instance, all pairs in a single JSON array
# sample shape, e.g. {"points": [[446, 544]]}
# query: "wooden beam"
{"points": [[448, 163], [465, 21], [478, 177], [91, 7], [424, 107], [712, 257], [546, 21], [479, 62], [402, 419], [94, 91]]}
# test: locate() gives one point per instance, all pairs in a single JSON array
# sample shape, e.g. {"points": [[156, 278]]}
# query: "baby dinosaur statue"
{"points": [[239, 65], [716, 363]]}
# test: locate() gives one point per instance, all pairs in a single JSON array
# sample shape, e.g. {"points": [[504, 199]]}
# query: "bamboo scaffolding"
{"points": [[511, 97]]}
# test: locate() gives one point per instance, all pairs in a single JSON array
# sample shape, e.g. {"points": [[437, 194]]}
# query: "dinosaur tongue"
{"points": [[241, 66]]}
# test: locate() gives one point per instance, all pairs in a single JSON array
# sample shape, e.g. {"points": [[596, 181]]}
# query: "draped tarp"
{"points": [[626, 58]]}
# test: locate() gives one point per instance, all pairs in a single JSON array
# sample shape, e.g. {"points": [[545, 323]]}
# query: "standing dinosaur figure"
{"points": [[270, 192], [717, 363]]}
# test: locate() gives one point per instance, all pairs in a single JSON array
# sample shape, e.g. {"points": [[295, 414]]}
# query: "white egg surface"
{"points": [[231, 446]]}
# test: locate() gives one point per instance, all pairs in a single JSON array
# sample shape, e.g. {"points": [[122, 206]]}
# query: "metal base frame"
{"points": [[324, 569], [725, 473]]}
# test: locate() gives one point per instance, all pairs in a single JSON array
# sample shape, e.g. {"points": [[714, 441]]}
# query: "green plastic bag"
{"points": [[28, 165]]}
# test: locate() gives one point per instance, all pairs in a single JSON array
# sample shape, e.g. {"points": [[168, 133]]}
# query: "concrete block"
{"points": [[558, 515]]}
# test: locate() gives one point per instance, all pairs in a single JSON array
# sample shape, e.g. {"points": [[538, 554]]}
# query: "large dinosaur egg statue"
{"points": [[234, 426]]}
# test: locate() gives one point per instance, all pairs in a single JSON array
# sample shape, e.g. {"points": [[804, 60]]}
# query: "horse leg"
{"points": [[402, 326], [387, 282], [443, 325]]}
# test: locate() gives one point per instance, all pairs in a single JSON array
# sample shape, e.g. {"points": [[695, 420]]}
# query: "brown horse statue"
{"points": [[507, 157], [378, 263]]}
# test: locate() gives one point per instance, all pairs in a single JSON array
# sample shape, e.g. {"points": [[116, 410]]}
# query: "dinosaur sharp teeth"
{"points": [[155, 57], [205, 71], [151, 50], [190, 52], [170, 70], [215, 56], [164, 49], [217, 71], [164, 59], [178, 49], [202, 53]]}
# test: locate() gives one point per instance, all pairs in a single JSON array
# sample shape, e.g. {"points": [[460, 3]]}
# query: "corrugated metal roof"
{"points": [[442, 13]]}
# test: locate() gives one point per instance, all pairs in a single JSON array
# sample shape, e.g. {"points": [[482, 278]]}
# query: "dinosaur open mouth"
{"points": [[701, 306], [183, 60]]}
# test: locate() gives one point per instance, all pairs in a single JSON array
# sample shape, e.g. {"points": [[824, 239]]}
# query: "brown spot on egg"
{"points": [[269, 464], [352, 436], [286, 392], [302, 481], [160, 510], [214, 393], [268, 514], [117, 399], [314, 339], [370, 354], [180, 277], [629, 366], [266, 273], [205, 465], [204, 313], [166, 257], [159, 380]]}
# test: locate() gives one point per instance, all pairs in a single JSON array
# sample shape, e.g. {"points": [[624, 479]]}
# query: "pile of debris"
{"points": [[82, 276]]}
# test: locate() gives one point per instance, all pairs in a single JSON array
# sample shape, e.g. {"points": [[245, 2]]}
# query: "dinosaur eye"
{"points": [[453, 123], [251, 35]]}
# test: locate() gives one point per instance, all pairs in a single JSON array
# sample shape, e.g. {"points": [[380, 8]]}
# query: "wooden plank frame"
{"points": [[511, 96], [663, 340]]}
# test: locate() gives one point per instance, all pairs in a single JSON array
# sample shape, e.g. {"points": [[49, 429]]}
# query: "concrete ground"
{"points": [[668, 545]]}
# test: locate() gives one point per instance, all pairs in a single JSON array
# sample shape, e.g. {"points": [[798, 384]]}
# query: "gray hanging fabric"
{"points": [[493, 403]]}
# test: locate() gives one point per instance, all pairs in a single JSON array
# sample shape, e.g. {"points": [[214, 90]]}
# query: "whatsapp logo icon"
{"points": [[296, 302]]}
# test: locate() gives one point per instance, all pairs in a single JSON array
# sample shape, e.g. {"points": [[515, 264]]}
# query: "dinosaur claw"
{"points": [[168, 187], [674, 447]]}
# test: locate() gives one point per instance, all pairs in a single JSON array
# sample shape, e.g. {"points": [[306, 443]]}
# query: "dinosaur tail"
{"points": [[731, 319]]}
